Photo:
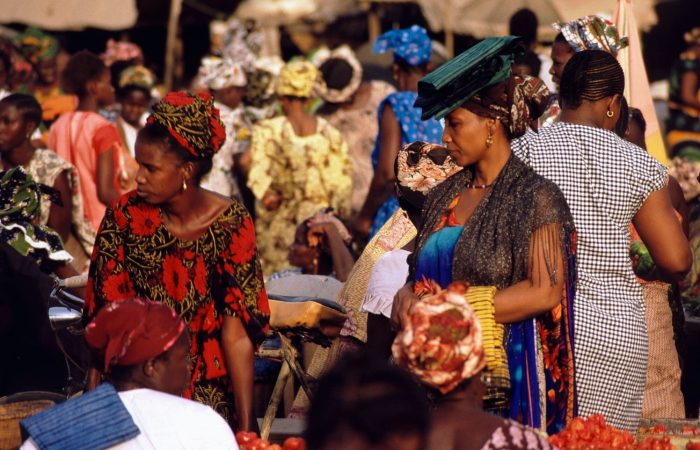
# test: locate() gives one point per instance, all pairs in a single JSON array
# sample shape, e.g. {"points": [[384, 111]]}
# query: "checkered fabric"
{"points": [[605, 181]]}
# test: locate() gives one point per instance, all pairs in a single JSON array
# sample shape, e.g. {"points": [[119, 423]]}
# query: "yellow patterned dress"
{"points": [[307, 172]]}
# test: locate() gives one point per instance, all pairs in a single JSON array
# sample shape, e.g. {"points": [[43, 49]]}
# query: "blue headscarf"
{"points": [[410, 44]]}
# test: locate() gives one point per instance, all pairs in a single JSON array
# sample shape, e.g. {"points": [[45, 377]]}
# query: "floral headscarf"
{"points": [[218, 73], [410, 44], [20, 201], [137, 76], [346, 54], [133, 331], [299, 79], [192, 120], [121, 51], [37, 46], [420, 167], [592, 33], [441, 343], [516, 102]]}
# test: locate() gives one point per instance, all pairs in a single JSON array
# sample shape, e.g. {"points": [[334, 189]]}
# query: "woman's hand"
{"points": [[271, 200], [403, 303]]}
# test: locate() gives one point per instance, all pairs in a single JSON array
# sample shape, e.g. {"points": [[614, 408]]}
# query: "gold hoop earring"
{"points": [[610, 114], [184, 185]]}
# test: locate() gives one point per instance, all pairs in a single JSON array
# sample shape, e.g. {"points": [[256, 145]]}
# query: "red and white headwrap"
{"points": [[442, 343], [133, 331]]}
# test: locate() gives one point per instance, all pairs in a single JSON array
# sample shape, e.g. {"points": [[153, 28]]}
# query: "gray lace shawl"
{"points": [[496, 245]]}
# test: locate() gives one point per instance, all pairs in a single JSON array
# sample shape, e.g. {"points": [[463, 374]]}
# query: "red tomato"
{"points": [[689, 430], [258, 444], [692, 446], [659, 429], [274, 447], [244, 437], [294, 443]]}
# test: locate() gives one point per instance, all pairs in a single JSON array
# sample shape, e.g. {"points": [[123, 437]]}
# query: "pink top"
{"points": [[79, 138], [512, 435]]}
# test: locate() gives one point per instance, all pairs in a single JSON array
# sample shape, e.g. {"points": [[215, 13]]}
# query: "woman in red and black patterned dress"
{"points": [[192, 249]]}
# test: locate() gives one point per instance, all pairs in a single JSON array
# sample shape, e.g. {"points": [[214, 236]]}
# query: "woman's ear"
{"points": [[615, 104], [188, 170], [149, 368]]}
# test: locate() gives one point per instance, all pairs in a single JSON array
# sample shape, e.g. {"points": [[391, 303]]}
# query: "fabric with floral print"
{"points": [[412, 45], [441, 343], [309, 173], [216, 275], [513, 435]]}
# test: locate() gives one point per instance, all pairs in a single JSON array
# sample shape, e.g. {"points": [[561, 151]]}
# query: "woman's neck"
{"points": [[580, 118], [88, 103], [18, 156], [182, 209], [487, 170]]}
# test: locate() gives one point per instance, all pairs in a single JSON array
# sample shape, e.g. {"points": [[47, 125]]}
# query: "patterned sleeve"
{"points": [[514, 435], [646, 175], [241, 292], [262, 150], [108, 275]]}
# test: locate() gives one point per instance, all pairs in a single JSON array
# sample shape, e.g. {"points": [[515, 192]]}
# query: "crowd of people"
{"points": [[514, 251]]}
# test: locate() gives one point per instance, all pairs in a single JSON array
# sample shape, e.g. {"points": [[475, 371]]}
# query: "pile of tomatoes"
{"points": [[592, 433], [249, 440]]}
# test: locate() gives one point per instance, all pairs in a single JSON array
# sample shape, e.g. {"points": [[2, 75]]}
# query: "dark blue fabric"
{"points": [[95, 420]]}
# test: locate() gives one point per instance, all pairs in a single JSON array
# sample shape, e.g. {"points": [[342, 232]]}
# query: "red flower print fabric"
{"points": [[204, 280]]}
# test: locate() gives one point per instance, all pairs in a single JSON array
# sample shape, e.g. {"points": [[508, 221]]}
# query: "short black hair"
{"points": [[158, 134], [336, 73], [524, 24], [531, 60], [636, 116], [369, 397], [27, 106], [590, 75], [82, 68]]}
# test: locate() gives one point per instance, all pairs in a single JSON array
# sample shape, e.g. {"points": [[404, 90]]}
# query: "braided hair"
{"points": [[590, 75]]}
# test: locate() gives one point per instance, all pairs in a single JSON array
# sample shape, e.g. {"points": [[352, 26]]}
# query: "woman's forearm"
{"points": [[342, 258], [524, 300], [239, 353]]}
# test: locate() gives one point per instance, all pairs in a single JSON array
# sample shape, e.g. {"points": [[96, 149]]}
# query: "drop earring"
{"points": [[184, 185], [610, 114], [489, 137]]}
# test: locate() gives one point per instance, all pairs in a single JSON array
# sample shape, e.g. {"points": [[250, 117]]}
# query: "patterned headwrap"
{"points": [[515, 102], [217, 73], [237, 41], [346, 54], [137, 76], [192, 120], [133, 331], [441, 343], [420, 167], [20, 202], [120, 51], [299, 79], [411, 45], [692, 36], [592, 33], [37, 46]]}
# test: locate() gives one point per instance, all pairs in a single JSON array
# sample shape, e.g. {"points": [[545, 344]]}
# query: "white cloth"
{"points": [[170, 422], [605, 180], [388, 275]]}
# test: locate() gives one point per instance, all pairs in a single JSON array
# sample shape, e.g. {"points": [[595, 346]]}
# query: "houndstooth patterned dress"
{"points": [[605, 181]]}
